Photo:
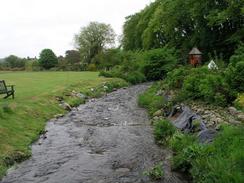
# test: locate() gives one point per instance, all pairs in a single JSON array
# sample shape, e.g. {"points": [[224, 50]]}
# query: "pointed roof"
{"points": [[195, 51]]}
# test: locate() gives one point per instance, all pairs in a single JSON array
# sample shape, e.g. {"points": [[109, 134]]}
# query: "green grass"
{"points": [[221, 161], [24, 118], [163, 131], [150, 100], [156, 172]]}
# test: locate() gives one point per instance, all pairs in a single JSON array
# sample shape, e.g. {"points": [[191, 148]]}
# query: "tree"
{"points": [[73, 59], [48, 59], [107, 59], [93, 39], [13, 61], [213, 26]]}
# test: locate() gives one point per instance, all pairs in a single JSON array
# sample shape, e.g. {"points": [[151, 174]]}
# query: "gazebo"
{"points": [[195, 57]]}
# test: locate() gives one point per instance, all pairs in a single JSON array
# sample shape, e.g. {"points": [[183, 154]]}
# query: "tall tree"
{"points": [[72, 57], [48, 59], [93, 39], [213, 26]]}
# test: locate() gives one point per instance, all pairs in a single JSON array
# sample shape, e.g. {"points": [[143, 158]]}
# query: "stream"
{"points": [[106, 140]]}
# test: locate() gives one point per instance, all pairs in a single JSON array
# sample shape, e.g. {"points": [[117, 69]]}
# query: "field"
{"points": [[23, 119]]}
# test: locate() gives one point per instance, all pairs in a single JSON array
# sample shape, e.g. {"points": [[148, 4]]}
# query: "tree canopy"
{"points": [[13, 61], [210, 25], [48, 59], [93, 39]]}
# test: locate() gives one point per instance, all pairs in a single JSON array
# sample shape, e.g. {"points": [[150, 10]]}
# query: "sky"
{"points": [[28, 26]]}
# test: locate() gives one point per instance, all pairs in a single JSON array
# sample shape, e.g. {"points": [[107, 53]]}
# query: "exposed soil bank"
{"points": [[107, 140]]}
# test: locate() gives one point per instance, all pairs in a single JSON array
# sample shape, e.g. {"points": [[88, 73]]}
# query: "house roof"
{"points": [[195, 51]]}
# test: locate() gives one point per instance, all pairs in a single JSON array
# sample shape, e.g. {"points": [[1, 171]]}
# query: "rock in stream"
{"points": [[107, 140]]}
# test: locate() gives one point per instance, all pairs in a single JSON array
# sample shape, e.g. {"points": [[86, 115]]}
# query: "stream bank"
{"points": [[106, 140]]}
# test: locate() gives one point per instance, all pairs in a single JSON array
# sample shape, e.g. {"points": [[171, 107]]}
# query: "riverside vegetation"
{"points": [[155, 46]]}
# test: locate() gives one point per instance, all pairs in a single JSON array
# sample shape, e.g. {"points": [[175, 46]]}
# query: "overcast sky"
{"points": [[28, 26]]}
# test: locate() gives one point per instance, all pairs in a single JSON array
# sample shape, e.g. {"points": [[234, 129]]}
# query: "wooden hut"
{"points": [[195, 57]]}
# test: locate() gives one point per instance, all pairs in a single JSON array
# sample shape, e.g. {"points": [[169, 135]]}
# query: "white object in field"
{"points": [[212, 65]]}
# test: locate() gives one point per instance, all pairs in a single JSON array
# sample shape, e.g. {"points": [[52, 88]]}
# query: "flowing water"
{"points": [[106, 140]]}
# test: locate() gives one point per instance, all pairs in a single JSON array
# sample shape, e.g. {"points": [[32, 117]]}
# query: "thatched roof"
{"points": [[195, 51]]}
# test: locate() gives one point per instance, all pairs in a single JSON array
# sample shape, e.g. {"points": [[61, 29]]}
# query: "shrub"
{"points": [[239, 102], [214, 90], [159, 62], [234, 76], [238, 56], [135, 77], [175, 78], [209, 86], [91, 67], [163, 130], [106, 74], [130, 69]]}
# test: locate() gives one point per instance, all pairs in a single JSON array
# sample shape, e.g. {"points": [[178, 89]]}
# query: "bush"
{"points": [[239, 102], [163, 130], [202, 84], [159, 62], [238, 56], [234, 76], [130, 70], [175, 78], [135, 77], [91, 67]]}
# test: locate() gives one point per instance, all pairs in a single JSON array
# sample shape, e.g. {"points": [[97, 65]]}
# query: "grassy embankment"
{"points": [[221, 161], [23, 119]]}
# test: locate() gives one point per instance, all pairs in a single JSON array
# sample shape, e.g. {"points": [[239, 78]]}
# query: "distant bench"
{"points": [[6, 89]]}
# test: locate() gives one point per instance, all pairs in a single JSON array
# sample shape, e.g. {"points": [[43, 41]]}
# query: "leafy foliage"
{"points": [[130, 68], [175, 78], [212, 25], [108, 58], [48, 59], [73, 60], [239, 102], [159, 62], [201, 84], [93, 39]]}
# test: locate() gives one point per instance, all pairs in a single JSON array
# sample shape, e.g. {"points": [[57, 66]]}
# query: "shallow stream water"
{"points": [[106, 140]]}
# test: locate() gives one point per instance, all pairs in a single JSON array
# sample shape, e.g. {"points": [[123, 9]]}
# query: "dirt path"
{"points": [[107, 140]]}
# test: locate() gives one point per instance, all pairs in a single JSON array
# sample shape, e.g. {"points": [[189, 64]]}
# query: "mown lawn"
{"points": [[24, 118]]}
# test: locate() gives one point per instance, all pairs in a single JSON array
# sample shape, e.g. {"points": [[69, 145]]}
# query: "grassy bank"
{"points": [[221, 161], [24, 118]]}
